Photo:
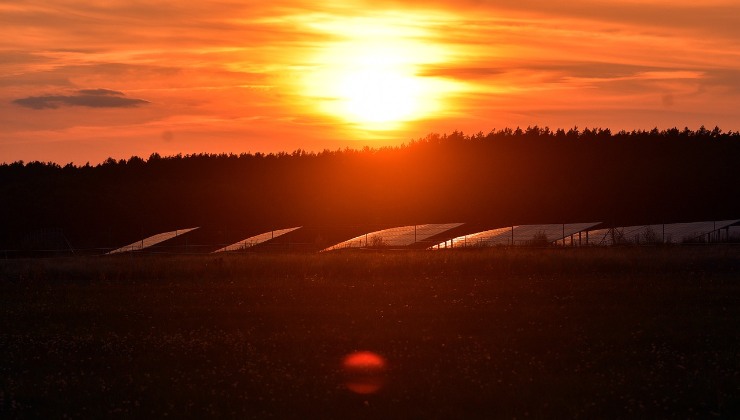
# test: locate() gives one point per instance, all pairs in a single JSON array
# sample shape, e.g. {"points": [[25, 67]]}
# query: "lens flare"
{"points": [[364, 372]]}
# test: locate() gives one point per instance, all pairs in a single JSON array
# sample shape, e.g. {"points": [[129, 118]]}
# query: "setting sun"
{"points": [[379, 94], [372, 77]]}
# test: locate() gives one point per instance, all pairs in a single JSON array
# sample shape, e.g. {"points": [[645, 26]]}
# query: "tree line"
{"points": [[504, 177]]}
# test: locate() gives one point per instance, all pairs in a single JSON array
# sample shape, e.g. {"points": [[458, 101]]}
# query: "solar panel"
{"points": [[395, 237], [599, 237], [541, 234], [518, 235], [733, 233], [660, 233], [151, 240], [687, 232], [255, 240], [485, 238]]}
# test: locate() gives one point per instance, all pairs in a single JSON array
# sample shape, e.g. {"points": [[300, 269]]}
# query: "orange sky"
{"points": [[82, 80]]}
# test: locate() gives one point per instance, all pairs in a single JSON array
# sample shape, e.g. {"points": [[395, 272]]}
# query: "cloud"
{"points": [[463, 72], [99, 92], [91, 98]]}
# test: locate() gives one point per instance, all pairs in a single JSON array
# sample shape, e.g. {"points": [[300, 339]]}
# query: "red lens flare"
{"points": [[364, 372]]}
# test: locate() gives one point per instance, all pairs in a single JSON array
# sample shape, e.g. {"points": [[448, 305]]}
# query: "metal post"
{"points": [[512, 235]]}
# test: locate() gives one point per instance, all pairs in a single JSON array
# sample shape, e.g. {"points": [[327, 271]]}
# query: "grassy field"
{"points": [[589, 333]]}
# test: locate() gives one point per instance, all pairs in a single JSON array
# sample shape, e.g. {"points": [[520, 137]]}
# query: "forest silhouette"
{"points": [[505, 177]]}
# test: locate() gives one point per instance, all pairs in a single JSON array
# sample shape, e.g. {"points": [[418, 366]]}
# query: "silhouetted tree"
{"points": [[505, 176]]}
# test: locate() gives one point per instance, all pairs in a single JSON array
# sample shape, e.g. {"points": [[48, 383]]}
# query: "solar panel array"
{"points": [[151, 241], [518, 235], [543, 234], [662, 233], [256, 240], [396, 237]]}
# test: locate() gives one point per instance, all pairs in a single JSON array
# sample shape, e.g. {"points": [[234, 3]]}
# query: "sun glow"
{"points": [[371, 75], [377, 87]]}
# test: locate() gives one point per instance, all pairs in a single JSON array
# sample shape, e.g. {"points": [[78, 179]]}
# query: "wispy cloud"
{"points": [[91, 98], [96, 92]]}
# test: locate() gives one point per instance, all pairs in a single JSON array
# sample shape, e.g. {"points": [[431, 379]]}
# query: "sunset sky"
{"points": [[83, 80]]}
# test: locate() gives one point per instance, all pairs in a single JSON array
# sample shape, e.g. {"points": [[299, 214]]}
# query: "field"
{"points": [[589, 333]]}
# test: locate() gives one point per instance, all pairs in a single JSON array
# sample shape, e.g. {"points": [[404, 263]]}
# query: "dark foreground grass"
{"points": [[590, 333]]}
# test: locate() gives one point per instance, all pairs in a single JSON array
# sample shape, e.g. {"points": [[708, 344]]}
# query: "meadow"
{"points": [[646, 332]]}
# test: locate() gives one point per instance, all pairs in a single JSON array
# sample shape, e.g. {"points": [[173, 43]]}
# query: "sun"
{"points": [[378, 90], [372, 75], [373, 85]]}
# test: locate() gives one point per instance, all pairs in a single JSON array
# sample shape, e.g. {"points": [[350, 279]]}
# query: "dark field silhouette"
{"points": [[559, 333]]}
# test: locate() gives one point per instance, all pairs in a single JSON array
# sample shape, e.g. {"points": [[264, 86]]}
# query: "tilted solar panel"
{"points": [[152, 240], [518, 235], [256, 239], [660, 233], [395, 237]]}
